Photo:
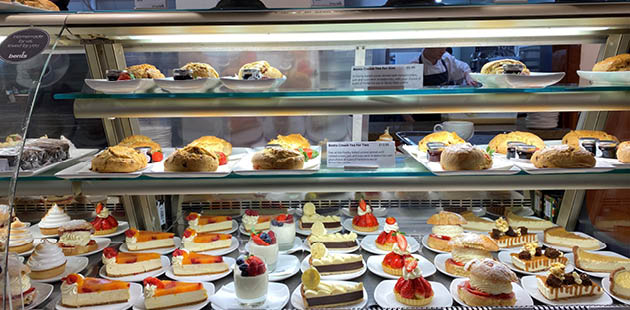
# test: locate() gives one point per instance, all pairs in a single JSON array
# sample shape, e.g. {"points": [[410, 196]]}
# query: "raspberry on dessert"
{"points": [[131, 232], [188, 233], [71, 278], [192, 216], [251, 212], [178, 252], [110, 252]]}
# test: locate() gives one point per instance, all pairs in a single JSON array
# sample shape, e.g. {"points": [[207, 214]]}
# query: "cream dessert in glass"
{"points": [[251, 280], [283, 226], [265, 245]]}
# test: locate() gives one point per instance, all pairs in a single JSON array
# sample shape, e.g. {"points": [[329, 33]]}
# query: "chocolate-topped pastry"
{"points": [[568, 279], [586, 280], [553, 281], [552, 253], [495, 234], [510, 232], [539, 251], [525, 255], [523, 230]]}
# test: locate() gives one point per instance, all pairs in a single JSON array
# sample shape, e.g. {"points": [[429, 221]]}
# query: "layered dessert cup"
{"points": [[283, 226], [265, 245], [251, 280]]}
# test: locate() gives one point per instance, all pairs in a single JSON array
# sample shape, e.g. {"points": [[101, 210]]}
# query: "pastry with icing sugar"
{"points": [[489, 284], [464, 157]]}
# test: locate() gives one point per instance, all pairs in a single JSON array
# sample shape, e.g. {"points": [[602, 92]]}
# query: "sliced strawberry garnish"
{"points": [[111, 221], [99, 208], [258, 241], [130, 232], [382, 238], [411, 264], [401, 241], [110, 252], [390, 221], [362, 205], [104, 226], [281, 218], [222, 158], [192, 216], [428, 291], [251, 212], [188, 233], [178, 252], [153, 281], [399, 284], [157, 157]]}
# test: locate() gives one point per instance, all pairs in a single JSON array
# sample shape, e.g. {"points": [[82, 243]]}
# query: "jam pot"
{"points": [[608, 148], [113, 74], [589, 144], [525, 151], [512, 69], [252, 74], [182, 74], [434, 151], [511, 149]]}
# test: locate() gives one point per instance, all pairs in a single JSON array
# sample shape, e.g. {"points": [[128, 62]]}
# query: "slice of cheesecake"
{"points": [[477, 223], [620, 283], [560, 237], [137, 240], [163, 294], [531, 223], [591, 261], [206, 223], [187, 263], [120, 264], [78, 291], [197, 242]]}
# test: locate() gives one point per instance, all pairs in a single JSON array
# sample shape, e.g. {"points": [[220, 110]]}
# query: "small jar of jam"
{"points": [[525, 151], [114, 74], [511, 149], [608, 148], [146, 151], [434, 151], [589, 144], [182, 74], [512, 68], [252, 74]]}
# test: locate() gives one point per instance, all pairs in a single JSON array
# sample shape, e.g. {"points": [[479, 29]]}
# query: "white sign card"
{"points": [[195, 4], [387, 76], [346, 154], [328, 3], [150, 4]]}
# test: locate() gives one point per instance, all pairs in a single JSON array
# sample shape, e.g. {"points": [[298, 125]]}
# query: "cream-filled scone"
{"points": [[489, 284], [468, 247], [507, 236], [531, 223], [558, 285], [19, 283], [79, 291], [328, 263], [560, 237], [186, 263], [206, 223], [533, 258], [477, 223], [446, 225], [75, 238], [120, 264], [21, 239], [253, 221], [137, 240], [198, 242], [47, 261], [164, 294], [55, 217], [336, 241], [592, 261], [321, 294], [620, 283], [310, 217]]}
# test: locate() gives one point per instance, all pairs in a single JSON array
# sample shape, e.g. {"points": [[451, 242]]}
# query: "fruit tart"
{"points": [[394, 261], [412, 289], [365, 221], [387, 238], [104, 223]]}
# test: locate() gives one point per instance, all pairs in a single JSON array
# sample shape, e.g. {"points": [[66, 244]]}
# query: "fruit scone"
{"points": [[310, 217], [336, 241]]}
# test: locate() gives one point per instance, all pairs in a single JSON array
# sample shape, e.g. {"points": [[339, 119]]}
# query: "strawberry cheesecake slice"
{"points": [[387, 238], [104, 223], [198, 242], [163, 294], [365, 221], [253, 221], [412, 289], [206, 223], [78, 291], [394, 261], [187, 263], [120, 264], [138, 240]]}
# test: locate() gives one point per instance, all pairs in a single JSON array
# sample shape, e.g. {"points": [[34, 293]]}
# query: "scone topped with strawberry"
{"points": [[387, 238], [104, 223], [365, 221], [394, 261], [412, 289]]}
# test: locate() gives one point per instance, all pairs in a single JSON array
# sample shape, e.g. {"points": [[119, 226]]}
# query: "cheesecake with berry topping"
{"points": [[120, 264], [394, 261], [253, 221], [207, 223], [558, 285], [104, 223], [79, 291], [186, 263], [364, 221], [198, 242], [163, 294], [507, 236], [411, 288], [532, 258], [138, 240], [328, 263], [387, 238], [310, 216]]}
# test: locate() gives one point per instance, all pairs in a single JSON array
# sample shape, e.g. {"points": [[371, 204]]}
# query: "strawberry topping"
{"points": [[130, 232], [192, 216], [157, 157], [390, 221], [110, 252], [71, 278], [251, 212], [153, 281], [99, 208]]}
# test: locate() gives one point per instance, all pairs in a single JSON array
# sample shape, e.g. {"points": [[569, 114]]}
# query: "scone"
{"points": [[145, 71], [214, 143], [614, 63], [291, 142], [499, 142], [42, 4], [119, 159], [496, 67], [448, 138], [266, 70], [192, 158], [201, 70], [136, 141], [464, 157], [277, 158], [623, 152], [574, 136], [563, 156]]}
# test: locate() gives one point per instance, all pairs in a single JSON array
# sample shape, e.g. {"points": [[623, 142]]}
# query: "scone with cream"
{"points": [[467, 247], [446, 225], [489, 284], [75, 238]]}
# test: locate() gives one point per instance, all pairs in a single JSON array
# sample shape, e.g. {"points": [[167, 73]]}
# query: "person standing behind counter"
{"points": [[442, 68]]}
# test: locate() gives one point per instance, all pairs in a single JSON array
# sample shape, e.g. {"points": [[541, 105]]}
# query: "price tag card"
{"points": [[346, 154], [150, 4], [387, 76], [328, 3]]}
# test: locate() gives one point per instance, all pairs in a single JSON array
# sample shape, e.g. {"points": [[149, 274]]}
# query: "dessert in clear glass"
{"points": [[265, 245], [251, 280], [283, 226]]}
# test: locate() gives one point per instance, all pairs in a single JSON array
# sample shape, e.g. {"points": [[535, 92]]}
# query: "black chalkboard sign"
{"points": [[23, 45]]}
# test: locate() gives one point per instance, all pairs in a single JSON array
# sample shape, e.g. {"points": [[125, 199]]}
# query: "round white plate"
{"points": [[307, 247], [345, 276], [135, 294], [161, 251], [378, 212], [37, 233], [43, 292], [538, 231], [591, 273], [567, 249], [225, 298], [236, 84], [141, 276], [139, 303], [286, 267], [120, 87], [504, 257], [101, 243], [297, 245], [122, 227], [374, 264], [347, 224], [187, 86], [369, 244], [74, 264], [619, 78], [307, 232], [425, 243], [533, 80], [203, 278], [606, 287], [298, 302], [522, 298], [384, 296], [35, 243], [219, 252], [242, 230], [529, 284], [440, 264]]}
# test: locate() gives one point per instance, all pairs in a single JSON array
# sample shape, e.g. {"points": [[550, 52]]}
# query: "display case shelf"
{"points": [[324, 102]]}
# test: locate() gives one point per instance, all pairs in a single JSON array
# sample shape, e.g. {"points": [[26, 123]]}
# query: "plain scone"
{"points": [[500, 141], [614, 63], [464, 157], [448, 138], [119, 159], [623, 152], [573, 137], [277, 158], [192, 158], [563, 156]]}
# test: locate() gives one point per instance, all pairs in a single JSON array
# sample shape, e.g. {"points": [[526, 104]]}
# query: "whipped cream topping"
{"points": [[20, 234], [131, 239], [390, 227], [396, 249], [69, 289], [250, 221], [55, 217], [195, 222], [368, 209], [75, 238], [502, 225], [447, 230], [190, 238], [104, 213], [413, 274], [318, 229], [108, 260], [149, 290], [464, 255], [178, 260], [47, 255]]}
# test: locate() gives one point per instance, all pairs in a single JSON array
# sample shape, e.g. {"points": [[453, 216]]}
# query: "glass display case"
{"points": [[117, 146]]}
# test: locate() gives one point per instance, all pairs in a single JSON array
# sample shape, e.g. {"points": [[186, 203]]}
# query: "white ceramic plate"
{"points": [[237, 84], [75, 154], [504, 257], [567, 249], [374, 265], [157, 171], [161, 251], [82, 171], [606, 287], [369, 244], [620, 78], [139, 302], [74, 264], [44, 291], [245, 167], [600, 166], [286, 267], [345, 276], [229, 231], [307, 232], [522, 297], [378, 212], [135, 294], [347, 224], [122, 227], [203, 278], [187, 86], [384, 296], [533, 80], [101, 243], [141, 276], [219, 252], [425, 243], [499, 166], [298, 303], [529, 284], [225, 298], [440, 264], [307, 247], [595, 274], [35, 243], [120, 87], [297, 245]]}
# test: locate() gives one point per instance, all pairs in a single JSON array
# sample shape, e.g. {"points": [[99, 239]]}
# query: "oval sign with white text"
{"points": [[23, 45]]}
